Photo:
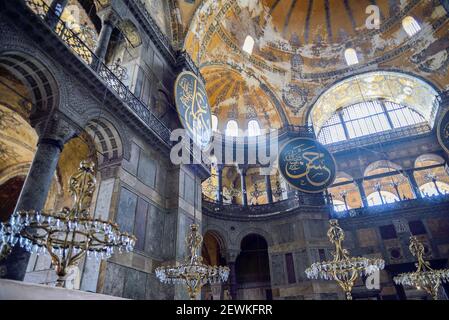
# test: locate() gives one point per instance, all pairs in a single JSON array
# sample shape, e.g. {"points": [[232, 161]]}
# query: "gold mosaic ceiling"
{"points": [[299, 49]]}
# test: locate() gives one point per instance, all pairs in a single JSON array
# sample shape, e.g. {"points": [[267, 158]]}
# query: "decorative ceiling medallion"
{"points": [[294, 97], [307, 165], [193, 108], [443, 131]]}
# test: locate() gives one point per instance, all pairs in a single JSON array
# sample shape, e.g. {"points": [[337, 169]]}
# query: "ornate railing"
{"points": [[73, 41], [422, 203], [271, 209], [381, 137]]}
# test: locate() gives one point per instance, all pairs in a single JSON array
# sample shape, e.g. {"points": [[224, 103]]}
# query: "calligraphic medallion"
{"points": [[443, 131], [307, 165], [193, 108]]}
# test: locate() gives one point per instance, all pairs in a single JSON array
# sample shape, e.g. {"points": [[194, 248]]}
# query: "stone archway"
{"points": [[253, 269]]}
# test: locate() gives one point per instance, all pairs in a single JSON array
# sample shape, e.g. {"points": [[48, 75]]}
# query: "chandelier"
{"points": [[278, 191], [424, 278], [256, 194], [69, 235], [193, 273], [343, 269]]}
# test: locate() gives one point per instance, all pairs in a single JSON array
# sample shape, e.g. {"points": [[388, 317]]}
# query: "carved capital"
{"points": [[101, 4], [232, 255], [109, 16], [242, 169], [56, 128]]}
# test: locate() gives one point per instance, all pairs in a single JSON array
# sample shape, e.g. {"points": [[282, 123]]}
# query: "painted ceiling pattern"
{"points": [[299, 50]]}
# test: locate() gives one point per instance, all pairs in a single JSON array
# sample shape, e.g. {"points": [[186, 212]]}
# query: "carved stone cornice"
{"points": [[156, 35]]}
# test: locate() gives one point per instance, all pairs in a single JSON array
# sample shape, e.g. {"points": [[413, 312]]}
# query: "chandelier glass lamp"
{"points": [[424, 278], [343, 269], [70, 234], [193, 273]]}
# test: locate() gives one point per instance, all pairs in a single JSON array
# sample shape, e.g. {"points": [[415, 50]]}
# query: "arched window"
{"points": [[248, 46], [351, 57], [367, 118], [232, 128], [387, 197], [411, 26], [253, 128], [214, 123], [428, 189]]}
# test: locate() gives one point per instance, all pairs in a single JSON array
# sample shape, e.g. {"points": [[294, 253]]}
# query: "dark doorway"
{"points": [[9, 194], [252, 266]]}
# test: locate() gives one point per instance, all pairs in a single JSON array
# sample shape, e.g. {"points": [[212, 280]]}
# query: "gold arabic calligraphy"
{"points": [[195, 105], [316, 172]]}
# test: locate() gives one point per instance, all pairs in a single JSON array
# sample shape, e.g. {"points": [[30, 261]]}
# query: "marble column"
{"points": [[269, 190], [232, 280], [413, 184], [109, 21], [56, 9], [232, 257], [242, 172], [359, 184], [53, 135], [220, 184]]}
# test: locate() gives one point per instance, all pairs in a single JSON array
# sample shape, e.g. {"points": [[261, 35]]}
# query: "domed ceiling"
{"points": [[299, 49]]}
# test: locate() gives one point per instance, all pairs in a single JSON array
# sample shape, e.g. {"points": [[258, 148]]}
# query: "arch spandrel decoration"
{"points": [[131, 33], [396, 87]]}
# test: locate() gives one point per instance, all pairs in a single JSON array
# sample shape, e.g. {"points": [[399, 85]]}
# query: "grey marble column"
{"points": [[220, 184], [109, 21], [359, 184], [268, 187], [55, 12], [232, 257], [34, 192], [243, 183], [413, 184]]}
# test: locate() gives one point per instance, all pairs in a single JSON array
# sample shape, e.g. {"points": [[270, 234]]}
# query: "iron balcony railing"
{"points": [[422, 203], [82, 50], [378, 138], [212, 207]]}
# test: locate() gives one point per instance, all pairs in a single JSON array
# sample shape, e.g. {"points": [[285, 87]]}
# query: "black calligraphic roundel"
{"points": [[193, 108], [307, 165], [443, 131]]}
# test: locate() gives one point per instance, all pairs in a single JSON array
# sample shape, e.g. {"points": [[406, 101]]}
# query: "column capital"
{"points": [[232, 255], [242, 169], [101, 4], [109, 16], [55, 129]]}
